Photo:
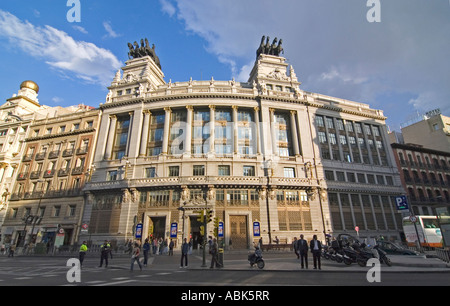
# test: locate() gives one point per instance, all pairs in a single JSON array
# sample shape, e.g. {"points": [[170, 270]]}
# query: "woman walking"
{"points": [[135, 256]]}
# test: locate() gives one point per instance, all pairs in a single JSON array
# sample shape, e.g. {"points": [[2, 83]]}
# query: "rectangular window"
{"points": [[112, 175], [174, 171], [150, 172], [224, 170], [199, 170], [249, 171], [289, 172], [319, 121]]}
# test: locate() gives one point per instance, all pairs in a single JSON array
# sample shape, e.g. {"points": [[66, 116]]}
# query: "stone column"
{"points": [[165, 145], [145, 130], [235, 130], [257, 131], [130, 128], [188, 134], [273, 132], [294, 133], [111, 133], [212, 123]]}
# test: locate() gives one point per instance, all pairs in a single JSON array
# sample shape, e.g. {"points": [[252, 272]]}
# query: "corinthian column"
{"points": [[145, 129], [111, 133], [294, 133], [165, 144]]}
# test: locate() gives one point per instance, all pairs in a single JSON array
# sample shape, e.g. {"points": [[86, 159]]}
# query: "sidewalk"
{"points": [[287, 262]]}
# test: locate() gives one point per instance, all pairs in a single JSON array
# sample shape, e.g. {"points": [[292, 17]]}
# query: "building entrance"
{"points": [[238, 232], [195, 232], [157, 227]]}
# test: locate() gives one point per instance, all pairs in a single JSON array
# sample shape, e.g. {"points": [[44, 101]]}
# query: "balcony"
{"points": [[35, 174], [49, 173], [27, 157], [67, 152], [81, 151], [53, 154], [63, 172], [40, 156], [77, 170], [22, 176]]}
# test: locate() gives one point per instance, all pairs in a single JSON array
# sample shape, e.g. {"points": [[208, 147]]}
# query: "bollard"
{"points": [[220, 257]]}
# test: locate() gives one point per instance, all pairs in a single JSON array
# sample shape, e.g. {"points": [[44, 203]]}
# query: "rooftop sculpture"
{"points": [[137, 51], [270, 49]]}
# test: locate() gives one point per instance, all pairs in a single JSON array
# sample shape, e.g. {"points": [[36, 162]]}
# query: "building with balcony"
{"points": [[425, 175], [258, 152], [47, 195]]}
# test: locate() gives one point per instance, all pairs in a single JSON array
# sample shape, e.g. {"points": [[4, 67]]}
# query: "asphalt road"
{"points": [[165, 271]]}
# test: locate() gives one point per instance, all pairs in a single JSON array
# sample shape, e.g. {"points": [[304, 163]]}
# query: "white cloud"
{"points": [[333, 49], [167, 7], [80, 29], [109, 30], [83, 59]]}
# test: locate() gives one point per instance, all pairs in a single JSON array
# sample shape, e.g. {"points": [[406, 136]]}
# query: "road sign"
{"points": [[173, 230], [138, 231], [220, 229], [413, 219], [401, 203], [256, 229]]}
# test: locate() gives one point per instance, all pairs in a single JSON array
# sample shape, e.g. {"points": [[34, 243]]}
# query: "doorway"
{"points": [[195, 232], [238, 232], [157, 227]]}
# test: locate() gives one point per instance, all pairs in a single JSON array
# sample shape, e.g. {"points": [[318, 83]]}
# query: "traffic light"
{"points": [[202, 230], [216, 227], [210, 216], [201, 216]]}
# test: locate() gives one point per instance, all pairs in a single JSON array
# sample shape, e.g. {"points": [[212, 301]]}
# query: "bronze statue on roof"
{"points": [[270, 49], [136, 51]]}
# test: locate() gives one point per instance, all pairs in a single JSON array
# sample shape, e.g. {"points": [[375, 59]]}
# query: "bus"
{"points": [[428, 228]]}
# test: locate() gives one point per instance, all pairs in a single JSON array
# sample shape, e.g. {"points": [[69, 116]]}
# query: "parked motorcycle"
{"points": [[357, 254], [382, 255], [256, 258]]}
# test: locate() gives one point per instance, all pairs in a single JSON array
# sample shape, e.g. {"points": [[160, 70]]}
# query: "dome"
{"points": [[31, 85]]}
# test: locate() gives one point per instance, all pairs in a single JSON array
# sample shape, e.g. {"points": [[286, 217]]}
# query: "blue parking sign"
{"points": [[401, 203]]}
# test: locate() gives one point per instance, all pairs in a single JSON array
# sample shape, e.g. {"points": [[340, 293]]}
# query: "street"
{"points": [[164, 270]]}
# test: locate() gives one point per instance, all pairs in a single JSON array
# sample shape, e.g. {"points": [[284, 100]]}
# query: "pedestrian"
{"points": [[146, 248], [83, 250], [214, 251], [171, 245], [104, 253], [12, 249], [154, 245], [276, 240], [135, 256], [303, 251], [184, 253], [295, 247], [316, 248], [3, 249], [110, 249]]}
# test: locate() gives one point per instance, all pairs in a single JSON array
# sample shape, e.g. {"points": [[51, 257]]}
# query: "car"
{"points": [[392, 248]]}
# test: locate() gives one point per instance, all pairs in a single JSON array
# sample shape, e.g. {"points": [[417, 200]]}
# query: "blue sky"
{"points": [[399, 65]]}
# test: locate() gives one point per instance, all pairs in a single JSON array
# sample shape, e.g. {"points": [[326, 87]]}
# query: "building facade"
{"points": [[432, 131], [47, 202], [262, 152], [425, 175]]}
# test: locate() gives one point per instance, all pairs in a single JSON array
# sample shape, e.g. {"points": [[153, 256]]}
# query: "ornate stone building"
{"points": [[46, 199], [260, 151]]}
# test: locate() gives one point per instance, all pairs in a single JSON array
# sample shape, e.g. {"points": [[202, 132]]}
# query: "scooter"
{"points": [[382, 255], [256, 258]]}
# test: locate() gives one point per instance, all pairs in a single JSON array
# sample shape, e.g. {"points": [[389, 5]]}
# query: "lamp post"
{"points": [[181, 208]]}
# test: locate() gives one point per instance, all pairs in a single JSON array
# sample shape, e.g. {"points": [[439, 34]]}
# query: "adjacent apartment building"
{"points": [[46, 198]]}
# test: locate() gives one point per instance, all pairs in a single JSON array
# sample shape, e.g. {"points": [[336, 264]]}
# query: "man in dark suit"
{"points": [[302, 246], [316, 248]]}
